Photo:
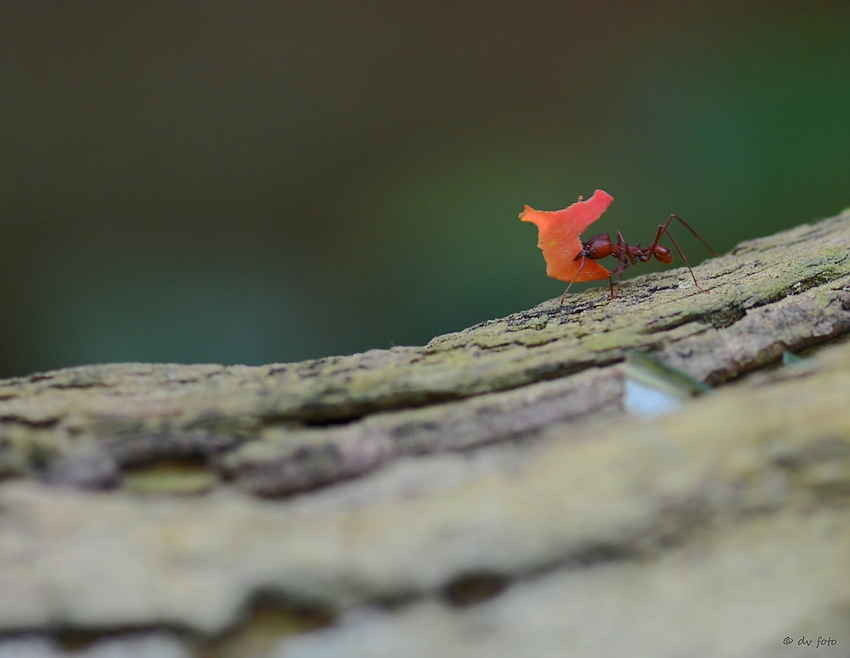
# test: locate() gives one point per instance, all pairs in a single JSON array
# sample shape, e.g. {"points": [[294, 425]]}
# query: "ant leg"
{"points": [[625, 259], [624, 256], [624, 249], [580, 268], [696, 235], [663, 229]]}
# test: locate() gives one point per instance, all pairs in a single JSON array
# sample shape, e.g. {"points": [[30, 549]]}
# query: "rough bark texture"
{"points": [[485, 494]]}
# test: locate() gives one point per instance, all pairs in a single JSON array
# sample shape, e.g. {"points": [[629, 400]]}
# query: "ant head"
{"points": [[663, 254], [597, 247]]}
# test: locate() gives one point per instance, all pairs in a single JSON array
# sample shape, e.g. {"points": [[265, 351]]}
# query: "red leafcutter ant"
{"points": [[569, 259]]}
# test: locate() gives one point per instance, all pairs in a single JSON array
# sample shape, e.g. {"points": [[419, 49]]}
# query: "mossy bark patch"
{"points": [[490, 479]]}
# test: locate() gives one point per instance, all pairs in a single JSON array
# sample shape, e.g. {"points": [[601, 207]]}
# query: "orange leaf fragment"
{"points": [[558, 237]]}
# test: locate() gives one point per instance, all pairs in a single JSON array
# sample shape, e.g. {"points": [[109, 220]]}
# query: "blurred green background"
{"points": [[269, 181]]}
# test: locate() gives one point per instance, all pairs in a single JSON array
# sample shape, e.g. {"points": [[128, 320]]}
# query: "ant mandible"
{"points": [[601, 246]]}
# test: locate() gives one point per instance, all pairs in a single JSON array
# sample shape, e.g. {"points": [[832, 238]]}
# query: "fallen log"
{"points": [[490, 479]]}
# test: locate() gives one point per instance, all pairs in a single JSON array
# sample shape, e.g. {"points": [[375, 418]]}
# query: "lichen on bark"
{"points": [[285, 427], [497, 459]]}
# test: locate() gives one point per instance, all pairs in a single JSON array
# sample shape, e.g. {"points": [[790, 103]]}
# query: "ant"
{"points": [[601, 246]]}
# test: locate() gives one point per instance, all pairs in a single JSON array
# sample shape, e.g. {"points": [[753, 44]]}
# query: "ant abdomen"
{"points": [[663, 254]]}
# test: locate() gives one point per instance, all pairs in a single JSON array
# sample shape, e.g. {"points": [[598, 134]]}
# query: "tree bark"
{"points": [[459, 469]]}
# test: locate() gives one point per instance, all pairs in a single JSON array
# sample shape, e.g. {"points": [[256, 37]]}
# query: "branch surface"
{"points": [[495, 465]]}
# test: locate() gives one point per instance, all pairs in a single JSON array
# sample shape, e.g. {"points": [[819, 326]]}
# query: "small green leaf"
{"points": [[653, 387], [789, 359]]}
